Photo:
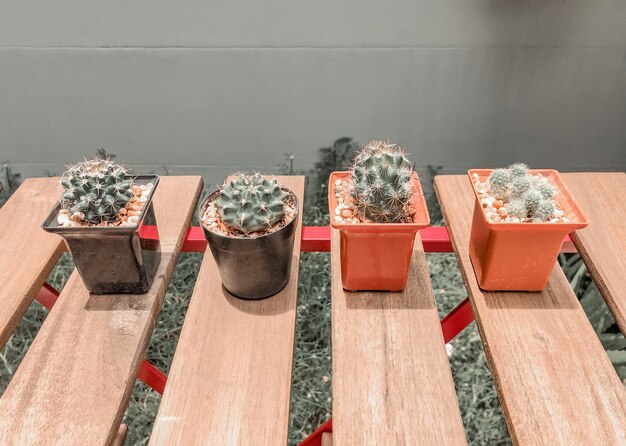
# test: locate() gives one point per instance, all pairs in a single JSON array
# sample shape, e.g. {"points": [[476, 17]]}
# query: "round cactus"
{"points": [[381, 180], [532, 198], [546, 189], [96, 190], [544, 210], [499, 181], [519, 185], [518, 170], [517, 208], [250, 203]]}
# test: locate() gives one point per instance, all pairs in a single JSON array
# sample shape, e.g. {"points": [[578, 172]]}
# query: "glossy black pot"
{"points": [[253, 268], [113, 259]]}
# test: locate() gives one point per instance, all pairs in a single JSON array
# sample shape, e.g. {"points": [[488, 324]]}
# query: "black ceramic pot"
{"points": [[253, 268], [113, 259]]}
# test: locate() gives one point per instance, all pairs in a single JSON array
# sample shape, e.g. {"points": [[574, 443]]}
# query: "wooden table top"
{"points": [[230, 379]]}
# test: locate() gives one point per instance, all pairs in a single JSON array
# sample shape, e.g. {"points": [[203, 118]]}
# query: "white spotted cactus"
{"points": [[95, 191], [499, 181], [381, 182], [528, 196], [251, 203]]}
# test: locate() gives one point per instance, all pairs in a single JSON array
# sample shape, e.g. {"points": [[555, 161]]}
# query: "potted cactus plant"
{"points": [[378, 207], [521, 217], [250, 223], [107, 220]]}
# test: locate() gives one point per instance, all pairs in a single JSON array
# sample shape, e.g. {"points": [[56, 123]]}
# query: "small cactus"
{"points": [[547, 190], [499, 181], [544, 210], [517, 208], [519, 185], [532, 198], [250, 203], [381, 182], [527, 196], [96, 190], [518, 170]]}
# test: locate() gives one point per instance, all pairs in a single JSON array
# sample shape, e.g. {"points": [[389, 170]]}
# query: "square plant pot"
{"points": [[377, 256], [519, 256], [119, 260]]}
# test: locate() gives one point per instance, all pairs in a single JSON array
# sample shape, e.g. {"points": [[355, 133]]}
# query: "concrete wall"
{"points": [[214, 86]]}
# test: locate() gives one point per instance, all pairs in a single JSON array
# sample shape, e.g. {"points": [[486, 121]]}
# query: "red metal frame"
{"points": [[314, 239]]}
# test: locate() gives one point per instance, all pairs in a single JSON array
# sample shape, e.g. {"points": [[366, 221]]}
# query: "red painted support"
{"points": [[152, 376], [457, 320], [317, 239], [315, 439]]}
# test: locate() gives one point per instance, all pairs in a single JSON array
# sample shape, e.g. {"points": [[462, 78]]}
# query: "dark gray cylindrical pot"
{"points": [[253, 268], [114, 260]]}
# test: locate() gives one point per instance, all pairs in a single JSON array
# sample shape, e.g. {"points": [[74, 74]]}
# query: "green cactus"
{"points": [[250, 203], [519, 185], [96, 190], [518, 170], [544, 210], [517, 208], [381, 180], [499, 181], [546, 189], [532, 198]]}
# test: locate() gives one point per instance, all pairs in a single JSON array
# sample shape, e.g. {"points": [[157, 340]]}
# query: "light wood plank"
{"points": [[27, 252], [120, 436], [392, 382], [554, 380], [230, 380], [327, 439], [75, 381], [602, 244]]}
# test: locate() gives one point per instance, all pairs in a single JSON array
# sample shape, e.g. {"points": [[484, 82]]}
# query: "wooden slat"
{"points": [[327, 439], [120, 436], [392, 382], [27, 252], [555, 382], [230, 379], [602, 245], [74, 383]]}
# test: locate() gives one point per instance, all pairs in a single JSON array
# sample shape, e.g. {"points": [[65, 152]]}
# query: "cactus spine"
{"points": [[95, 191], [250, 203], [381, 182]]}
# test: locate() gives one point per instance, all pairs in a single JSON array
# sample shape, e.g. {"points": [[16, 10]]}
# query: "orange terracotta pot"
{"points": [[377, 256], [519, 256]]}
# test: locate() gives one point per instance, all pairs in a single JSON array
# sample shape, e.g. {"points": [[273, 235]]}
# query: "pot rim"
{"points": [[562, 188], [418, 200], [113, 230], [205, 203]]}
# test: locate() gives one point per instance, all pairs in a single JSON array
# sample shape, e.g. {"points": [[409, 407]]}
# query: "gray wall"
{"points": [[213, 86]]}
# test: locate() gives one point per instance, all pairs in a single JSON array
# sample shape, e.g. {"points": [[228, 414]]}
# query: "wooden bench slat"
{"points": [[120, 436], [327, 439], [27, 252], [230, 379], [392, 382], [554, 379], [602, 244], [74, 383]]}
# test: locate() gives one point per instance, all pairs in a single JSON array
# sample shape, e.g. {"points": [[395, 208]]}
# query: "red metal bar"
{"points": [[457, 320], [317, 239], [315, 439], [152, 376]]}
